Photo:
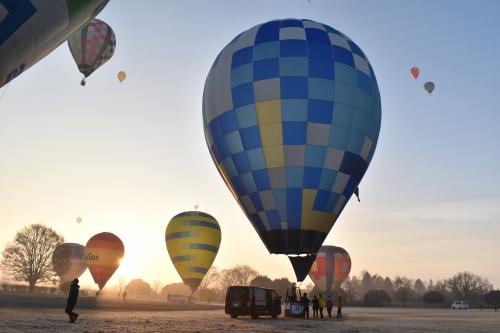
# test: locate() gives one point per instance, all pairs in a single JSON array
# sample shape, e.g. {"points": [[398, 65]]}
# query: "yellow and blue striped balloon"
{"points": [[193, 240]]}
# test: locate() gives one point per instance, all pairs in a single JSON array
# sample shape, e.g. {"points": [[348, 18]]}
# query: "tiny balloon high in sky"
{"points": [[292, 114]]}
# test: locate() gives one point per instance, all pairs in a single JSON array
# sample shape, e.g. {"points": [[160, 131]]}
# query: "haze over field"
{"points": [[127, 158]]}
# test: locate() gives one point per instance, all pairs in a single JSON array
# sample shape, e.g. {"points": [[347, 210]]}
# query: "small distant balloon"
{"points": [[79, 220], [415, 71], [429, 87], [122, 76]]}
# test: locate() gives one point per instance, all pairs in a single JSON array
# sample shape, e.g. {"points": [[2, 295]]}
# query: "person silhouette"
{"points": [[71, 301]]}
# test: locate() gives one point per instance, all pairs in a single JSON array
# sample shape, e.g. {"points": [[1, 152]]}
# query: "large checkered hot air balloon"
{"points": [[331, 268], [103, 254], [292, 113], [193, 240], [92, 46]]}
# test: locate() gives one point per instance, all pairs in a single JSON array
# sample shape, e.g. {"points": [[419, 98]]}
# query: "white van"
{"points": [[460, 305]]}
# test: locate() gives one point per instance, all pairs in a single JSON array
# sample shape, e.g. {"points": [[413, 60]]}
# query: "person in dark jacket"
{"points": [[340, 303], [329, 306], [315, 303], [72, 298], [305, 303]]}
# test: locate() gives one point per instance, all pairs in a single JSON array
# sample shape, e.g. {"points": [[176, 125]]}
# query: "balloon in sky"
{"points": [[92, 46], [429, 87], [79, 220], [103, 253], [414, 71], [193, 240], [331, 268], [292, 114], [68, 260], [121, 76]]}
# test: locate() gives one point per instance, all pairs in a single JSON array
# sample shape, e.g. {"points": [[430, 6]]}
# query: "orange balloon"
{"points": [[331, 268], [103, 253], [414, 71]]}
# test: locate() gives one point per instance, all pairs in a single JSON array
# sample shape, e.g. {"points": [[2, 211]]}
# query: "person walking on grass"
{"points": [[339, 307], [305, 303], [74, 290], [322, 304], [315, 307], [329, 306]]}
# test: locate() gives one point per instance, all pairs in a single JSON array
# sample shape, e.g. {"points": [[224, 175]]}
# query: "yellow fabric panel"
{"points": [[271, 134], [269, 112], [308, 196], [318, 221], [275, 157]]}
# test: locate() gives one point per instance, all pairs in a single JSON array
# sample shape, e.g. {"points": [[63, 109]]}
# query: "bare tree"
{"points": [[468, 286], [402, 288], [156, 287], [245, 274], [210, 278], [28, 257], [121, 284]]}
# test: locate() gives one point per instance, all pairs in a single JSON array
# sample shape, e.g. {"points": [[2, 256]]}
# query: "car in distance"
{"points": [[252, 301], [460, 305]]}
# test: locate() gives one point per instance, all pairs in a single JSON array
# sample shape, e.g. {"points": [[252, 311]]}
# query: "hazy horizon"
{"points": [[128, 157]]}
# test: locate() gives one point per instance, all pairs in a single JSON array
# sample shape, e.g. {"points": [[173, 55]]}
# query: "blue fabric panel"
{"points": [[291, 23], [320, 111], [280, 196], [294, 109], [250, 137], [321, 68], [293, 87], [243, 94], [294, 217], [266, 69], [242, 74], [261, 180], [353, 165], [332, 201], [327, 179], [342, 55], [274, 219], [321, 200], [294, 133], [294, 198], [349, 188], [294, 177], [257, 222], [246, 116], [312, 177], [339, 137], [228, 122], [294, 66], [241, 162], [268, 32], [266, 50], [241, 57], [364, 82], [256, 159], [256, 201], [317, 35], [293, 48], [319, 50], [356, 49], [315, 156]]}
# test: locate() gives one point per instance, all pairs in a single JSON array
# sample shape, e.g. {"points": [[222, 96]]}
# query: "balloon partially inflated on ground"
{"points": [[331, 268], [103, 253], [292, 113], [68, 260], [193, 239]]}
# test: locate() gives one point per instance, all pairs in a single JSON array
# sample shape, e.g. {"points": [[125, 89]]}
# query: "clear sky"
{"points": [[127, 158]]}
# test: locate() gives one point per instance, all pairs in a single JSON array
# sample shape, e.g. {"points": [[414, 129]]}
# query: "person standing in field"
{"points": [[305, 303], [329, 306], [315, 307], [322, 304], [339, 307], [72, 298]]}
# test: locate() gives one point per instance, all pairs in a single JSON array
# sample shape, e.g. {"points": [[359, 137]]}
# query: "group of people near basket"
{"points": [[319, 304]]}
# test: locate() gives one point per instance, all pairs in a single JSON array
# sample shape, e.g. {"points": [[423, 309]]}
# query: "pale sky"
{"points": [[127, 158]]}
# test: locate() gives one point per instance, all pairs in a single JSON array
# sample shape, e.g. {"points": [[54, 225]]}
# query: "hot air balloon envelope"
{"points": [[292, 114], [414, 71], [193, 240], [68, 260], [121, 76], [429, 87], [92, 46], [331, 268], [103, 253]]}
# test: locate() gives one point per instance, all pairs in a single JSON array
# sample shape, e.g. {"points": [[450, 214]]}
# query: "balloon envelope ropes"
{"points": [[193, 239], [103, 253], [92, 46], [331, 268], [292, 114], [68, 260]]}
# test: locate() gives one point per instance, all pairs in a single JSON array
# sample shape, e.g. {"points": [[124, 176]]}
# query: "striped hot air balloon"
{"points": [[103, 253], [69, 261], [331, 268], [193, 240]]}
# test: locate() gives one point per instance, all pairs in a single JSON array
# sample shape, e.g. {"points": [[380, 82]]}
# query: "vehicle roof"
{"points": [[248, 287]]}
